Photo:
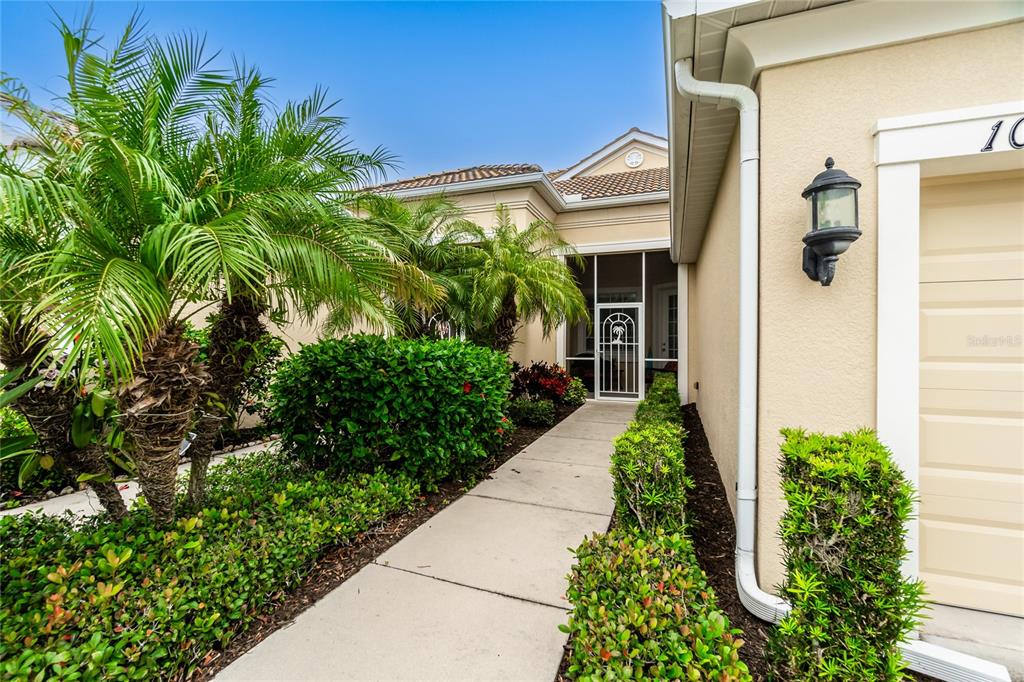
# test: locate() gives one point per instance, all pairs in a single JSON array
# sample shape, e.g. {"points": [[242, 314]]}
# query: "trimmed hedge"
{"points": [[649, 476], [642, 610], [843, 543], [127, 600], [424, 407], [524, 411], [661, 403]]}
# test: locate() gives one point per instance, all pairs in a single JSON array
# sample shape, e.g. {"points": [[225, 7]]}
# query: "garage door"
{"points": [[972, 391]]}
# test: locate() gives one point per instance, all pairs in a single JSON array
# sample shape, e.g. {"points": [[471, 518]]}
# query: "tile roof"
{"points": [[459, 175], [616, 184], [589, 186]]}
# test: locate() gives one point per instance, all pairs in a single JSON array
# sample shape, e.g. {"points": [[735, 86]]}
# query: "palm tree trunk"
{"points": [[157, 408], [235, 330], [507, 324], [47, 408]]}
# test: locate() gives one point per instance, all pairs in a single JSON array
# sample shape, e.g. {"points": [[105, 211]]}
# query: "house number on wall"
{"points": [[1012, 135]]}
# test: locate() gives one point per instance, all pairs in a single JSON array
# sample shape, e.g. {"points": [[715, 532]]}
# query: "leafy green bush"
{"points": [[428, 408], [649, 476], [575, 393], [127, 600], [527, 412], [843, 543], [661, 403], [642, 609]]}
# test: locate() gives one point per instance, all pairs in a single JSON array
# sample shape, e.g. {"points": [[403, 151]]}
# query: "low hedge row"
{"points": [[424, 407], [642, 607], [127, 600], [661, 403], [843, 543], [649, 476], [642, 610]]}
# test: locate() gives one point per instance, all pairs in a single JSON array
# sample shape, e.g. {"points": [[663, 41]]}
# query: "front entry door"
{"points": [[619, 350]]}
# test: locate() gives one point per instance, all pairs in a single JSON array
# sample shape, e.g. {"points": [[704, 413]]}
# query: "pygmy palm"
{"points": [[517, 276]]}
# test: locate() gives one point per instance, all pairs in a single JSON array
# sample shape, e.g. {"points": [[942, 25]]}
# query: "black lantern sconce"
{"points": [[832, 201]]}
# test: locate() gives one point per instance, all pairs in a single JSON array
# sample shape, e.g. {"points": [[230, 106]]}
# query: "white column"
{"points": [[898, 380]]}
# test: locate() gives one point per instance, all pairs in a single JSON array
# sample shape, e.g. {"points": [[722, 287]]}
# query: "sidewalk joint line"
{"points": [[525, 455], [537, 504], [472, 587]]}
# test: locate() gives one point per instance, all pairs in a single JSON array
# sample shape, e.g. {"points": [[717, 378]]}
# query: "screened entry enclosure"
{"points": [[634, 306]]}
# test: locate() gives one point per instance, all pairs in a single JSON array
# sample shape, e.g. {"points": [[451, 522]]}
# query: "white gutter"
{"points": [[945, 664], [762, 604]]}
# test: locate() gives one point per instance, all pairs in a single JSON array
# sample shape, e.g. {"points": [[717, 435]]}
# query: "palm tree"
{"points": [[434, 241], [125, 178], [294, 173], [23, 337], [516, 276]]}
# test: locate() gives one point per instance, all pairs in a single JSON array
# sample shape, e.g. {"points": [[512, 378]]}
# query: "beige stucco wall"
{"points": [[714, 326], [817, 344], [653, 158], [617, 224]]}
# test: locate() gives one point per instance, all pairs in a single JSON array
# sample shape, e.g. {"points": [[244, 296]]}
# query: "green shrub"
{"points": [[649, 476], [843, 543], [575, 393], [642, 609], [425, 407], [661, 403], [527, 412], [127, 600]]}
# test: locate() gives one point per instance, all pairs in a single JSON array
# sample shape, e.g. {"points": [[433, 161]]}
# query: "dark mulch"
{"points": [[340, 563], [714, 539]]}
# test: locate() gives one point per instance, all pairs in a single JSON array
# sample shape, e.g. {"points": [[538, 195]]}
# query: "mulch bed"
{"points": [[714, 540], [338, 564]]}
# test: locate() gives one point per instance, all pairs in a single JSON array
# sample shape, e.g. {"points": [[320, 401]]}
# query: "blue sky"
{"points": [[442, 85]]}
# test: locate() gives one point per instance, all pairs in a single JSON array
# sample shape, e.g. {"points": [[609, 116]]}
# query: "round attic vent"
{"points": [[634, 158]]}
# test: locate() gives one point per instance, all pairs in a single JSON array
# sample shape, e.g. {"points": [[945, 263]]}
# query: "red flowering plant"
{"points": [[540, 381]]}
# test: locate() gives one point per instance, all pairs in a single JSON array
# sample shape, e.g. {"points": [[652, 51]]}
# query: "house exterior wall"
{"points": [[714, 325], [817, 345]]}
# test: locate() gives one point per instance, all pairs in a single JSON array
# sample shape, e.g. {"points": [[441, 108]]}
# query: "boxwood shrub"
{"points": [[527, 412], [661, 403], [843, 544], [642, 610], [127, 600], [649, 476], [425, 407]]}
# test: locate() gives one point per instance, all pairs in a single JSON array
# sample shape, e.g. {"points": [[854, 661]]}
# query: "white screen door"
{"points": [[619, 350]]}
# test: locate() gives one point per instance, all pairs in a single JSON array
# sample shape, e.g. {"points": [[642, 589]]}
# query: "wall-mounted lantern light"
{"points": [[832, 202]]}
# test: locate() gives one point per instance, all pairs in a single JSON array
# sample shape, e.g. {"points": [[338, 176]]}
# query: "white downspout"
{"points": [[762, 604], [933, 660]]}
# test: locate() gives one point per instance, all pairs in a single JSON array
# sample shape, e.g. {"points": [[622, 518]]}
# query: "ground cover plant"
{"points": [[843, 545], [132, 600], [425, 407], [525, 411]]}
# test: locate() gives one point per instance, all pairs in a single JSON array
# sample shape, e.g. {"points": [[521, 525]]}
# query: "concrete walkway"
{"points": [[477, 592], [82, 503]]}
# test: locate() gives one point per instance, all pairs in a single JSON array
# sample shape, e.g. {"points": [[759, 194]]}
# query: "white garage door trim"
{"points": [[906, 149]]}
